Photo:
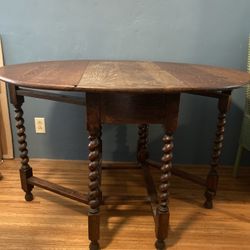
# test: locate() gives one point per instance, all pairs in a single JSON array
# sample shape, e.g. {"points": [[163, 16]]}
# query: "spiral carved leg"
{"points": [[100, 162], [25, 170], [212, 178], [162, 221], [94, 190], [142, 151]]}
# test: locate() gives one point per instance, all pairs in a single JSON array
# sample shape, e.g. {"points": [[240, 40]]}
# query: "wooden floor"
{"points": [[55, 222]]}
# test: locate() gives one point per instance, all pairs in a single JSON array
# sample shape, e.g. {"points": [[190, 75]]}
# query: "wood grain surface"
{"points": [[123, 76], [54, 222]]}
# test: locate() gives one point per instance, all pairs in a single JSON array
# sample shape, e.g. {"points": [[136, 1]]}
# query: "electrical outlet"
{"points": [[40, 125]]}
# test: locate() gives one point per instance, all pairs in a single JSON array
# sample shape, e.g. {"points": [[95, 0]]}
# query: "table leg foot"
{"points": [[94, 230], [160, 245], [94, 245], [209, 200], [208, 204], [29, 196]]}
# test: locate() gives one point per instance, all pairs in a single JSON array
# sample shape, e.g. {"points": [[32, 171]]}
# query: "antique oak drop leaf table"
{"points": [[118, 92]]}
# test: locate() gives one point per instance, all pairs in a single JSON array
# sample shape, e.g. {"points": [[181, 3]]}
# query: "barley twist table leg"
{"points": [[94, 190], [213, 177], [100, 162], [163, 210], [25, 170], [142, 151]]}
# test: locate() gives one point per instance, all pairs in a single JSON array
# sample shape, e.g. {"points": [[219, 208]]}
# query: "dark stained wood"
{"points": [[83, 198], [94, 230], [128, 200], [162, 211], [213, 177], [161, 229], [51, 96], [57, 75], [136, 108], [205, 77], [153, 164], [178, 172], [115, 166], [124, 92], [123, 76], [94, 129], [93, 107], [95, 148], [157, 77], [207, 93], [67, 192], [25, 170], [172, 112], [151, 189], [142, 143], [100, 162], [15, 100], [187, 176]]}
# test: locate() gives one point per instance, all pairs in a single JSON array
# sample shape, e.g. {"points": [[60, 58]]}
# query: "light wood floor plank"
{"points": [[55, 222]]}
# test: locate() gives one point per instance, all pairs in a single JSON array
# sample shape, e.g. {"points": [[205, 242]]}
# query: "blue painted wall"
{"points": [[195, 31]]}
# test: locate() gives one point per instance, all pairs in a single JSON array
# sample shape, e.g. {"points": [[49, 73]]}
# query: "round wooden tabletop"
{"points": [[123, 76]]}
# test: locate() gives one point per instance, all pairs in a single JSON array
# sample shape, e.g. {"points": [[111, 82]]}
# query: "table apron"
{"points": [[122, 108]]}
